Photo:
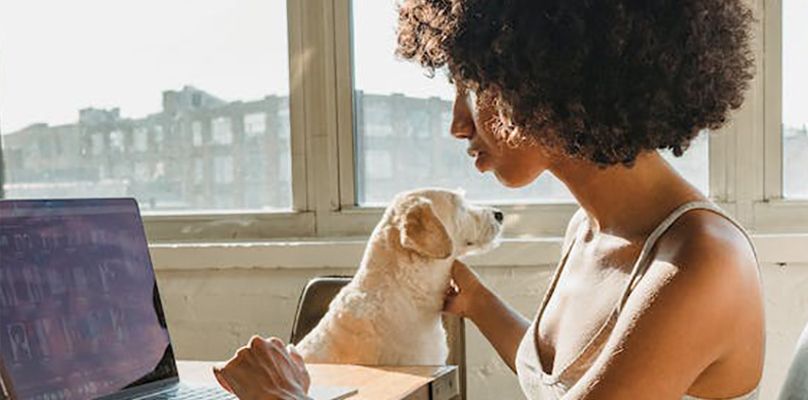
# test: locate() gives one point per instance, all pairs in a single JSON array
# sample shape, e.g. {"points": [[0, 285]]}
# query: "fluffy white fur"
{"points": [[390, 313]]}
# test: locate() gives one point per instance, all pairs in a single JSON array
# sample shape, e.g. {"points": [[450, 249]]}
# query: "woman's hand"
{"points": [[469, 298], [464, 292], [265, 370]]}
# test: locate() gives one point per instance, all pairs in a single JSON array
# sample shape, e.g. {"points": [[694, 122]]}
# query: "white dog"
{"points": [[390, 313]]}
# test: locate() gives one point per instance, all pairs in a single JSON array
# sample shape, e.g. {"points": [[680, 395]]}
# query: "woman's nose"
{"points": [[462, 126], [461, 129]]}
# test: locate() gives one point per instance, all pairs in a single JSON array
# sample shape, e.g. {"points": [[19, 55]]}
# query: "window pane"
{"points": [[402, 126], [170, 103], [795, 98]]}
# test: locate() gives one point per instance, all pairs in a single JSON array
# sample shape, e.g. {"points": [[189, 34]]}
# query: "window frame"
{"points": [[745, 166]]}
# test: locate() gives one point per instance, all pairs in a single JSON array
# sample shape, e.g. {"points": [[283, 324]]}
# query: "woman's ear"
{"points": [[423, 232]]}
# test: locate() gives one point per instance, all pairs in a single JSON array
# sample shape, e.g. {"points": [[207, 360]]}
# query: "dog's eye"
{"points": [[469, 243]]}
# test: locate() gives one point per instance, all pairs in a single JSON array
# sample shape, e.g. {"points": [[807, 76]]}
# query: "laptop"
{"points": [[80, 311]]}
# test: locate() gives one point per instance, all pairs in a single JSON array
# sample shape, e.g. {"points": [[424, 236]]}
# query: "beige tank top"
{"points": [[536, 384]]}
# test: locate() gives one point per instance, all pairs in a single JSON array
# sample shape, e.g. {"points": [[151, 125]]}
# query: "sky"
{"points": [[795, 62], [114, 53]]}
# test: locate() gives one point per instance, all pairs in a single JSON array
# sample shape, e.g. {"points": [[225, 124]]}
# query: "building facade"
{"points": [[199, 152]]}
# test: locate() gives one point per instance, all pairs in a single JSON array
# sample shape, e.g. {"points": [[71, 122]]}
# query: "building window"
{"points": [[199, 171], [255, 124], [159, 137], [223, 169], [196, 129], [236, 57], [222, 130], [795, 98], [97, 143], [116, 141], [141, 138]]}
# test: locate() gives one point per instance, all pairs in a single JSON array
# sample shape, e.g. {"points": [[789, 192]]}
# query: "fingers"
{"points": [[295, 356], [234, 377], [264, 369], [303, 373], [268, 360], [217, 372]]}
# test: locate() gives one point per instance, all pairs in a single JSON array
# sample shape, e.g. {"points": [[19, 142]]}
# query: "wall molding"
{"points": [[779, 249]]}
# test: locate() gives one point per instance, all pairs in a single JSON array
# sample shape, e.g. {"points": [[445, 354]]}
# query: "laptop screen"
{"points": [[80, 315]]}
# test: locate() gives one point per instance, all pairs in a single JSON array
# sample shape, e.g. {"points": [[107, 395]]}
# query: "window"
{"points": [[223, 169], [196, 131], [199, 171], [97, 144], [159, 135], [206, 64], [255, 124], [411, 114], [795, 98], [116, 141], [141, 139], [222, 133], [195, 115]]}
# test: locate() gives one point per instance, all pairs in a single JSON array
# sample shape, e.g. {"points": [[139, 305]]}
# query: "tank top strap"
{"points": [[566, 249], [641, 264]]}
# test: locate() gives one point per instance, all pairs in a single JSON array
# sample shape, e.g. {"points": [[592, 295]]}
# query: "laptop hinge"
{"points": [[145, 390]]}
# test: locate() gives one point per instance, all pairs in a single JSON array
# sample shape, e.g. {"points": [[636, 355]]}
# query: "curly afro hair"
{"points": [[603, 80]]}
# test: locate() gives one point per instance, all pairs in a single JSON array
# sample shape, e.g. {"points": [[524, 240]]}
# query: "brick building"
{"points": [[198, 152]]}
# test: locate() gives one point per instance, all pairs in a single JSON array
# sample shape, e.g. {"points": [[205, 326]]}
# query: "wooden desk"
{"points": [[374, 383]]}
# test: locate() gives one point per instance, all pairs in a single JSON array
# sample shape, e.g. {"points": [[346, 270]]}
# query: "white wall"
{"points": [[214, 306]]}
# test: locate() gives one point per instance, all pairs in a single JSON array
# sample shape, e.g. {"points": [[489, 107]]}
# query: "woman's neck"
{"points": [[628, 202]]}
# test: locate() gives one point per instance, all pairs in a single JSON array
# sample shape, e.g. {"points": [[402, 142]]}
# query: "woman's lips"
{"points": [[482, 161]]}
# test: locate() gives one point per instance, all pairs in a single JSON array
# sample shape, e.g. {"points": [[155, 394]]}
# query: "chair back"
{"points": [[796, 384], [317, 295]]}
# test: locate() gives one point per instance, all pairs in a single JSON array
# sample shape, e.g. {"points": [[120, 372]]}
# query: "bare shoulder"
{"points": [[708, 248], [714, 272], [699, 308]]}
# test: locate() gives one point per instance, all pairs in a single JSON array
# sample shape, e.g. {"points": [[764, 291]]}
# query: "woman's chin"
{"points": [[513, 182]]}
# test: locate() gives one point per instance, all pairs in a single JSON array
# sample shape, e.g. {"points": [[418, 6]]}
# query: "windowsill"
{"points": [[347, 252]]}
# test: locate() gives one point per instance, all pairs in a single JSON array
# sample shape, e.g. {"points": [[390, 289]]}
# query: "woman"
{"points": [[657, 294]]}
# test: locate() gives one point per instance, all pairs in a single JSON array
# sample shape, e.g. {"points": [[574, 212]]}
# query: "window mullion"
{"points": [[319, 92], [297, 123], [748, 124], [773, 87], [345, 107]]}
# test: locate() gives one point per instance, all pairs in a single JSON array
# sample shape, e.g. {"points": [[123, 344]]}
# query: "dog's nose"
{"points": [[499, 216]]}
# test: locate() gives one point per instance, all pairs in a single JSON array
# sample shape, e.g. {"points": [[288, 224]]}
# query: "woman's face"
{"points": [[474, 119]]}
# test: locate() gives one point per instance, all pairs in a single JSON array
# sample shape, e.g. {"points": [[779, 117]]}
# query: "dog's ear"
{"points": [[423, 232]]}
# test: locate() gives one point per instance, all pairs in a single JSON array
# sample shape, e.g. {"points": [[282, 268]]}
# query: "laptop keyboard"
{"points": [[193, 393]]}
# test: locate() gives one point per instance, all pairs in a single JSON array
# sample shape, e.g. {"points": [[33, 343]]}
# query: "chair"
{"points": [[796, 384], [319, 292]]}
